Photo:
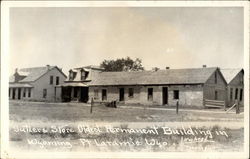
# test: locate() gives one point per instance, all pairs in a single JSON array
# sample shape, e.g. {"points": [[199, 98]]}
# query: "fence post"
{"points": [[177, 106], [237, 107], [91, 105], [225, 105]]}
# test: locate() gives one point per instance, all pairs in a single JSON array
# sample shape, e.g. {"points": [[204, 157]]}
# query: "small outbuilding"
{"points": [[235, 85]]}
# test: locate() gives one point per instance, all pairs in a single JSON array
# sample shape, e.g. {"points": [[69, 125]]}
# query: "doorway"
{"points": [[66, 94], [84, 94], [121, 94], [164, 95], [104, 94]]}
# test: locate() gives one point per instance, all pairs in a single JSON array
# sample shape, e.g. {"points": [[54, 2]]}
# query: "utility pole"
{"points": [[91, 105], [237, 107]]}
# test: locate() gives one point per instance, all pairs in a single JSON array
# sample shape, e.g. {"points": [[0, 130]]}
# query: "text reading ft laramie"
{"points": [[108, 129]]}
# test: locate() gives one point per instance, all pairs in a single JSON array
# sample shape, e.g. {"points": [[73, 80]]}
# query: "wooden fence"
{"points": [[214, 103]]}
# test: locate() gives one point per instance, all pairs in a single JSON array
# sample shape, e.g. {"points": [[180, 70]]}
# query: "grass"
{"points": [[80, 112]]}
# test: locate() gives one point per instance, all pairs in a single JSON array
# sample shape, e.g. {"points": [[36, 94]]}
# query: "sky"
{"points": [[177, 37]]}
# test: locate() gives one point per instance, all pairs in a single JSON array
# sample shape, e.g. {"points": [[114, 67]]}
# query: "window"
{"points": [[131, 92], [150, 94], [29, 92], [96, 94], [104, 94], [57, 80], [231, 93], [241, 94], [84, 75], [176, 94], [44, 93], [236, 93], [215, 77], [216, 95], [9, 92], [24, 92], [51, 80]]}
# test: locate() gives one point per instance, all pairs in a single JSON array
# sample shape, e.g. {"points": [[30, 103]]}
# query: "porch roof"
{"points": [[20, 85], [75, 84]]}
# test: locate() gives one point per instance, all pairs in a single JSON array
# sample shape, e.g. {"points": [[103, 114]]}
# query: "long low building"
{"points": [[190, 87]]}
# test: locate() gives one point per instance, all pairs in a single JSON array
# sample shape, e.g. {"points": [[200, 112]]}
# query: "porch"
{"points": [[19, 91], [74, 92]]}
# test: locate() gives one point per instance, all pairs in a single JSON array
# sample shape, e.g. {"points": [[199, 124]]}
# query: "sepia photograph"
{"points": [[142, 79]]}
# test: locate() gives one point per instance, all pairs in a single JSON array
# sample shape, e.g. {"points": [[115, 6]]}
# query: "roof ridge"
{"points": [[231, 68], [39, 66], [158, 70]]}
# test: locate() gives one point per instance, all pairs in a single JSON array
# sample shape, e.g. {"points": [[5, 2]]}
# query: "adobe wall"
{"points": [[188, 95], [113, 94]]}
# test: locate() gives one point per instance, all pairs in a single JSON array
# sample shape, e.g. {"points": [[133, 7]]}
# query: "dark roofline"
{"points": [[60, 71], [77, 81], [146, 84], [160, 70], [90, 67]]}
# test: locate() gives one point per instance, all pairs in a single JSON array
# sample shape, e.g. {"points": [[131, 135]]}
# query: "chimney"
{"points": [[204, 66], [48, 67], [167, 68], [16, 75]]}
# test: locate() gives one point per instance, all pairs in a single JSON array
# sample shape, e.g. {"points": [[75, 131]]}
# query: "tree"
{"points": [[122, 64]]}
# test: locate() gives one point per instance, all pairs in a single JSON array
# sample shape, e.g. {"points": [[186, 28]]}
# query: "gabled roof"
{"points": [[170, 76], [230, 73], [33, 73]]}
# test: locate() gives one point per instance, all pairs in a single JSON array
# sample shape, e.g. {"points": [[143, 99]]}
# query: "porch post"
{"points": [[10, 93], [72, 92], [55, 94]]}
